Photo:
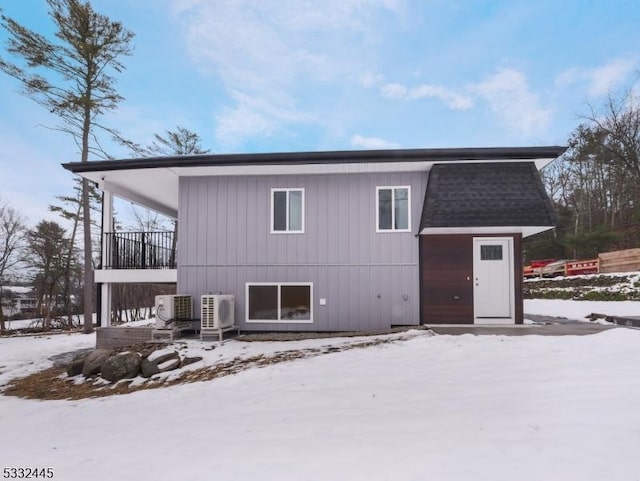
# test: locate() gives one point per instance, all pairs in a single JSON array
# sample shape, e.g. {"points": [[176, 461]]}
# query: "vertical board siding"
{"points": [[447, 262], [369, 279], [519, 277], [447, 279]]}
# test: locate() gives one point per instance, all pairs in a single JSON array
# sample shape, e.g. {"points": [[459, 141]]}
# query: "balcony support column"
{"points": [[105, 308], [107, 226]]}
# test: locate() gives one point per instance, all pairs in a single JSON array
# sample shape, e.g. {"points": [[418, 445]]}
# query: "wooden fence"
{"points": [[620, 261]]}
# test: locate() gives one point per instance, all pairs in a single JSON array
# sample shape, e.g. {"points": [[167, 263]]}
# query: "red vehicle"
{"points": [[534, 269], [561, 267], [556, 268]]}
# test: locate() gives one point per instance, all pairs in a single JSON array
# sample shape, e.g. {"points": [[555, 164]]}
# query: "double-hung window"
{"points": [[280, 302], [287, 211], [393, 209]]}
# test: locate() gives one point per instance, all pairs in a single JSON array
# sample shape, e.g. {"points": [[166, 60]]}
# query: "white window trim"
{"points": [[393, 210], [287, 190], [278, 321]]}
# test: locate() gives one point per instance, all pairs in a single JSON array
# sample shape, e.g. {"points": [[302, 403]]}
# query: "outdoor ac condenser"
{"points": [[171, 308], [217, 311]]}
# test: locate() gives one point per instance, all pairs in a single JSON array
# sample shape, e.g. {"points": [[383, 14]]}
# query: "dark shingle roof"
{"points": [[486, 194]]}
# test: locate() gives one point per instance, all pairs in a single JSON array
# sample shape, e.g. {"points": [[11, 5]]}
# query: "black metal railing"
{"points": [[140, 250]]}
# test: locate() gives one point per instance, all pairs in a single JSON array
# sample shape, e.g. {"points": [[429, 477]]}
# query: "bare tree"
{"points": [[11, 237], [70, 76], [619, 120], [594, 185], [130, 300], [70, 209]]}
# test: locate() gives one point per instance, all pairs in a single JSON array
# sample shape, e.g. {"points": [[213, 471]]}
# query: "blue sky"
{"points": [[287, 75]]}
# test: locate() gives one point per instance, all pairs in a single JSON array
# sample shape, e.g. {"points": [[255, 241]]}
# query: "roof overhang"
{"points": [[526, 231], [154, 182]]}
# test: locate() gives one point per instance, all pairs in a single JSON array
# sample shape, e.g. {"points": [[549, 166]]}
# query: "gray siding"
{"points": [[369, 280]]}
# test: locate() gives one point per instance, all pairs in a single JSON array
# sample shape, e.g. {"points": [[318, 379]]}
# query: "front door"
{"points": [[493, 282]]}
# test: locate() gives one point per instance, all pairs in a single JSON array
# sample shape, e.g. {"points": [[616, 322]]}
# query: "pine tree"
{"points": [[180, 141], [71, 76], [47, 244]]}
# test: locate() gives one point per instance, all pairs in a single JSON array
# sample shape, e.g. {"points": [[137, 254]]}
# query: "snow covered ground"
{"points": [[428, 407], [579, 310]]}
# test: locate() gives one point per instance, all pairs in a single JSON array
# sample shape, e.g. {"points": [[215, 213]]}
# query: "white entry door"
{"points": [[493, 280]]}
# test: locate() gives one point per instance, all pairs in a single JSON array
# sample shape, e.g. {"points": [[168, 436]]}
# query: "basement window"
{"points": [[393, 209], [279, 302]]}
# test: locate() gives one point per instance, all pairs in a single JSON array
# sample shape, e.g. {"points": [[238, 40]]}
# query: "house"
{"points": [[334, 241], [17, 301]]}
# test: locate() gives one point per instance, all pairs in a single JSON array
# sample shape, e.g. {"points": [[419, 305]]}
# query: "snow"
{"points": [[20, 356], [631, 275], [35, 323], [19, 289], [159, 353], [579, 310], [426, 407]]}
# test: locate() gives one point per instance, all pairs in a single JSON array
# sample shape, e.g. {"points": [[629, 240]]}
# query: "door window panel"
{"points": [[491, 253]]}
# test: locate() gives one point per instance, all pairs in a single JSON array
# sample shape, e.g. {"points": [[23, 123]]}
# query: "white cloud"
{"points": [[372, 143], [253, 116], [369, 79], [451, 99], [599, 80], [510, 98], [394, 91], [278, 51], [235, 124]]}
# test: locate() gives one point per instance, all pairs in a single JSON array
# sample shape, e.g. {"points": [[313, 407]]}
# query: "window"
{"points": [[393, 209], [287, 211], [280, 302], [491, 253]]}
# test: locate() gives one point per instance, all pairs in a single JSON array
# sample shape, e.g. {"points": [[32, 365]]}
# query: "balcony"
{"points": [[138, 257], [139, 250]]}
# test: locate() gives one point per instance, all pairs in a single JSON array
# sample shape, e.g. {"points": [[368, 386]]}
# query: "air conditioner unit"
{"points": [[172, 308], [217, 311]]}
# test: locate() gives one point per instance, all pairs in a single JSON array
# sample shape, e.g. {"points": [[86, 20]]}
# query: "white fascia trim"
{"points": [[291, 169], [278, 321], [137, 276], [333, 168], [393, 210], [542, 163], [526, 231]]}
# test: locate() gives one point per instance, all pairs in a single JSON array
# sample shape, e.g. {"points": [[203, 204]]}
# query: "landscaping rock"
{"points": [[75, 367], [125, 365], [94, 361], [63, 359], [163, 363], [190, 360]]}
